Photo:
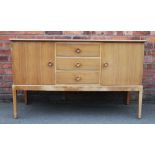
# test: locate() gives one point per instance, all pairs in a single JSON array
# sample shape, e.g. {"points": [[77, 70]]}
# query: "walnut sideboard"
{"points": [[77, 65]]}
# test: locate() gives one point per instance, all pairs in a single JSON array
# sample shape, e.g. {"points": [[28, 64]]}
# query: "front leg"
{"points": [[139, 115], [14, 93]]}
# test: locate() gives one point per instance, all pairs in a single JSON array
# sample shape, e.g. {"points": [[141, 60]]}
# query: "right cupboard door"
{"points": [[122, 63]]}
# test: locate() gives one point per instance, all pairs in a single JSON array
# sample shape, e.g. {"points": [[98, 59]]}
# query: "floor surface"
{"points": [[64, 112]]}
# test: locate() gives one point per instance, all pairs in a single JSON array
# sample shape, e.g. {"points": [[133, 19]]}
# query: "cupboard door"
{"points": [[122, 63], [33, 63]]}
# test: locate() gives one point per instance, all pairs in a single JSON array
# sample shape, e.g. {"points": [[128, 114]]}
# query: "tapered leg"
{"points": [[140, 104], [128, 98], [25, 96], [14, 93]]}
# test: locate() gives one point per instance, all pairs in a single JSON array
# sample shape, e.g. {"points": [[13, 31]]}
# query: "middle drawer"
{"points": [[78, 63]]}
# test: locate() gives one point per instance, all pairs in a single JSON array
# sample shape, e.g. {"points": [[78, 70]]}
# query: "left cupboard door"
{"points": [[33, 63]]}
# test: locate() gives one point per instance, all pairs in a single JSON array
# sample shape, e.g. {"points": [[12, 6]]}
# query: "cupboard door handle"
{"points": [[78, 78], [105, 64], [77, 64], [78, 50], [50, 64]]}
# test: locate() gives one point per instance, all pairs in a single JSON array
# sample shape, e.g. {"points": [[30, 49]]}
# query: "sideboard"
{"points": [[77, 65]]}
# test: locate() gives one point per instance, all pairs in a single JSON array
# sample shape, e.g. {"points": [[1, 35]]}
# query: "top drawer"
{"points": [[71, 49]]}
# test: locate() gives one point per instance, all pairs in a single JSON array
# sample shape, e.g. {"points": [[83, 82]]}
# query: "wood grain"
{"points": [[14, 95], [125, 63], [50, 65], [69, 49], [139, 112], [30, 63], [78, 63], [78, 40], [79, 87], [69, 77]]}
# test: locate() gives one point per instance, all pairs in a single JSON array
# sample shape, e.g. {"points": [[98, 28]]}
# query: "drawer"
{"points": [[78, 49], [77, 77], [78, 63]]}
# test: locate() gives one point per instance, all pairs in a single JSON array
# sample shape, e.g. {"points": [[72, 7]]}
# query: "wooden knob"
{"points": [[77, 64], [50, 64], [105, 64], [78, 78], [77, 50]]}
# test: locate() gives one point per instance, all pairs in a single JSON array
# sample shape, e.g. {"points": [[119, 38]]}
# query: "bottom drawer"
{"points": [[74, 77]]}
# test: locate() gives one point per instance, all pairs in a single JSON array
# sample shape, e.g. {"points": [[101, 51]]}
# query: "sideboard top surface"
{"points": [[76, 40]]}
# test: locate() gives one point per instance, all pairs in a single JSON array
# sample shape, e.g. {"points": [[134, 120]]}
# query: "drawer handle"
{"points": [[50, 64], [105, 64], [78, 78], [78, 50], [77, 64]]}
